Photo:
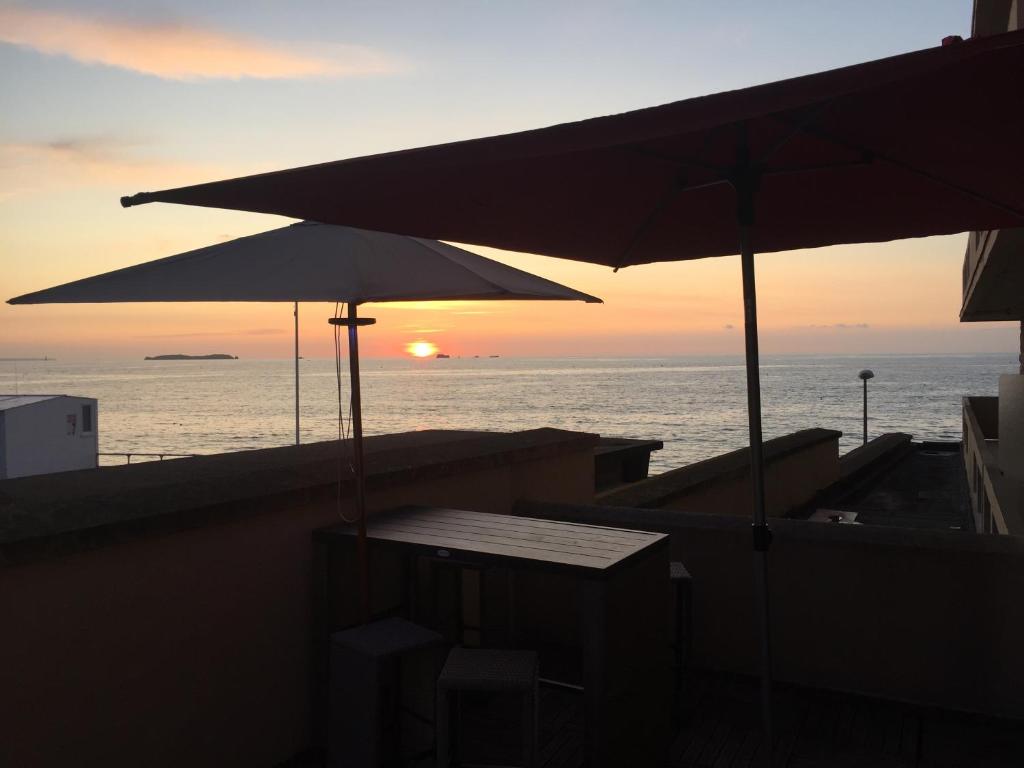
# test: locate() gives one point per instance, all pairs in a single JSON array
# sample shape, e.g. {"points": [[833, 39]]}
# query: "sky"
{"points": [[103, 99]]}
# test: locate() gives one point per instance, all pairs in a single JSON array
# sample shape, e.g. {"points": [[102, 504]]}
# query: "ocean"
{"points": [[696, 405]]}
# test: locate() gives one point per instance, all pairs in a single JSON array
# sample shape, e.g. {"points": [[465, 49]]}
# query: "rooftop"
{"points": [[7, 402], [909, 485]]}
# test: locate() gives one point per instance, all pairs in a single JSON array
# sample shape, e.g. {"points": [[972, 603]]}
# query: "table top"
{"points": [[476, 536]]}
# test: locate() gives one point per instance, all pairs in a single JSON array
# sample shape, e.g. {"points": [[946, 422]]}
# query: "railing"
{"points": [[129, 454]]}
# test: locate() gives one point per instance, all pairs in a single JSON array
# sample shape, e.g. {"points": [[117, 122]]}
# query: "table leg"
{"points": [[594, 606], [411, 610], [320, 662]]}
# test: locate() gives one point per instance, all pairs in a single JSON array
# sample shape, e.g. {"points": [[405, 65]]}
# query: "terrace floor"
{"points": [[719, 727], [925, 488]]}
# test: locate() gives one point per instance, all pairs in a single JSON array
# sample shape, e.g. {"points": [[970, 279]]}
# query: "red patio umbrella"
{"points": [[925, 143]]}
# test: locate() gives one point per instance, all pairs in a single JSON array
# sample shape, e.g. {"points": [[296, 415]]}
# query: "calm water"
{"points": [[697, 405]]}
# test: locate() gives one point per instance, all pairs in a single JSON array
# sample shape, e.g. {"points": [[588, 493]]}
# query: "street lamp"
{"points": [[864, 376]]}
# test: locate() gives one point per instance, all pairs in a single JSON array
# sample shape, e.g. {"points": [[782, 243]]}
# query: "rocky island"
{"points": [[193, 357]]}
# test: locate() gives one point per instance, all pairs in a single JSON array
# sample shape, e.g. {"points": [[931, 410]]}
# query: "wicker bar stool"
{"points": [[366, 697], [492, 671]]}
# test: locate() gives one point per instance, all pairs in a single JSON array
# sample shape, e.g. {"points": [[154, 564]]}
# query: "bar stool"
{"points": [[682, 587], [366, 693], [488, 670]]}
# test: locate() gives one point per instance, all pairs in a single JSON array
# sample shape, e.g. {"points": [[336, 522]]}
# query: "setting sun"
{"points": [[421, 348]]}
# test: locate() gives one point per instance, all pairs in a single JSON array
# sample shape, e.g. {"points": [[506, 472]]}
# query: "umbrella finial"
{"points": [[138, 199]]}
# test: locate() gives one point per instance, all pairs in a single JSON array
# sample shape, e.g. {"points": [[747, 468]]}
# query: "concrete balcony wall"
{"points": [[160, 614], [797, 467], [1011, 426], [997, 497], [931, 617]]}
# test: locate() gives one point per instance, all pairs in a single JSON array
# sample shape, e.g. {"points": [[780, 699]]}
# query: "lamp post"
{"points": [[864, 376]]}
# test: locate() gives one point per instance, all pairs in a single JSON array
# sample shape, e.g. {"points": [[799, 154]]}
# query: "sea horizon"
{"points": [[695, 404]]}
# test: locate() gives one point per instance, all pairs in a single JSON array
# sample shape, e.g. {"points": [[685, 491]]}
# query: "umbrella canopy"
{"points": [[920, 144], [312, 262]]}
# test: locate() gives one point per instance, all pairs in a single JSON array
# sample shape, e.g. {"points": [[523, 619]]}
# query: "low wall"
{"points": [[797, 467], [878, 453], [929, 617], [160, 614]]}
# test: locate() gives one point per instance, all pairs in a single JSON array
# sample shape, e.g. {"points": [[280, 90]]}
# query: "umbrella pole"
{"points": [[762, 534], [362, 556], [296, 373]]}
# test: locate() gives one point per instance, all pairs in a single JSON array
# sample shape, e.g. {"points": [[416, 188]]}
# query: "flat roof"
{"points": [[7, 402], [924, 486]]}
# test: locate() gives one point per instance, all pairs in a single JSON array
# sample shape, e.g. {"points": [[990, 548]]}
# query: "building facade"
{"points": [[40, 434], [993, 290]]}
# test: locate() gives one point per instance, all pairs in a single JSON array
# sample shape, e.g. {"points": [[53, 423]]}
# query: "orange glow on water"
{"points": [[421, 348]]}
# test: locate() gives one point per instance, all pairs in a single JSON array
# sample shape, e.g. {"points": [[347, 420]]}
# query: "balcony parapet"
{"points": [[797, 466], [74, 511]]}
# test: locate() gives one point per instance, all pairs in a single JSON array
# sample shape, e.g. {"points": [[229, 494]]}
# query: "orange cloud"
{"points": [[176, 50], [29, 167]]}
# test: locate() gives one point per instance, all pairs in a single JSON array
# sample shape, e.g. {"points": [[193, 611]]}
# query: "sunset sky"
{"points": [[102, 99]]}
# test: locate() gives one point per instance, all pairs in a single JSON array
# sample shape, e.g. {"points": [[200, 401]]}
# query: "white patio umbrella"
{"points": [[308, 261]]}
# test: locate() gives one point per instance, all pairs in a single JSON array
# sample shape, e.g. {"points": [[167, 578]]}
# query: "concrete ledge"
{"points": [[62, 513], [881, 450], [620, 460], [660, 490]]}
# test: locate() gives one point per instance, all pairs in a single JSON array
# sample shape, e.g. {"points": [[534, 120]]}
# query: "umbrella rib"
{"points": [[804, 125], [659, 208], [866, 160], [867, 152], [673, 191]]}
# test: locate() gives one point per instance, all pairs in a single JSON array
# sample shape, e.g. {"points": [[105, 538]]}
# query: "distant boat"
{"points": [[494, 355], [442, 356], [193, 357]]}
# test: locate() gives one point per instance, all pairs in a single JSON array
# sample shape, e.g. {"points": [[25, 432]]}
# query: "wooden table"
{"points": [[623, 606]]}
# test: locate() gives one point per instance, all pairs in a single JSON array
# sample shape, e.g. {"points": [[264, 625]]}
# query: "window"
{"points": [[87, 426]]}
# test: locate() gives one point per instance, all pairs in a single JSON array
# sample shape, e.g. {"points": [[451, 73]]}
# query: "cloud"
{"points": [[842, 325], [76, 161], [215, 334], [417, 329], [178, 50]]}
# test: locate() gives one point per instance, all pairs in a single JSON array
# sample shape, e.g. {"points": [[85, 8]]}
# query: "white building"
{"points": [[46, 433]]}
